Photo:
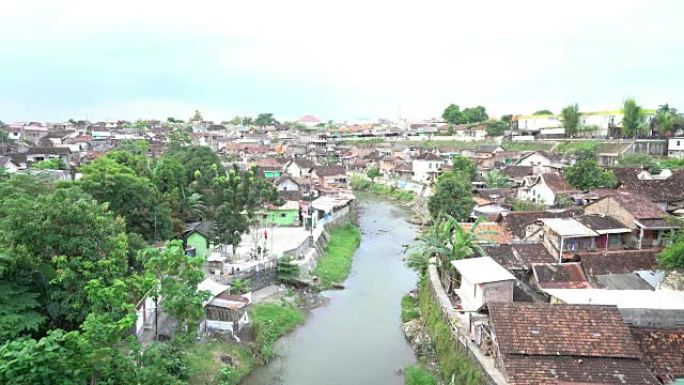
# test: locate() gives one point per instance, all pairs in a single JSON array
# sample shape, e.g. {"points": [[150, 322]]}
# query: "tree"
{"points": [[673, 256], [201, 166], [264, 120], [475, 114], [633, 123], [240, 194], [449, 241], [453, 114], [641, 160], [586, 174], [570, 117], [495, 179], [496, 127], [133, 197], [50, 164], [668, 120], [506, 118], [196, 117], [452, 196], [464, 165], [286, 270], [247, 121], [543, 112], [56, 240], [177, 277], [235, 121], [373, 173]]}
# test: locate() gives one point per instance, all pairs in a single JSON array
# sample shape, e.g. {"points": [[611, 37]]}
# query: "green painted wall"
{"points": [[271, 174], [281, 217], [199, 242]]}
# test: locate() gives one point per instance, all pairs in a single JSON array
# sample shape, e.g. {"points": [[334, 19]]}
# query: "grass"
{"points": [[573, 147], [360, 183], [416, 375], [527, 146], [206, 367], [272, 321], [452, 362], [409, 309], [334, 266]]}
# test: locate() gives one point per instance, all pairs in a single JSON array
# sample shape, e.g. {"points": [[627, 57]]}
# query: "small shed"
{"points": [[483, 280], [224, 313], [198, 235]]}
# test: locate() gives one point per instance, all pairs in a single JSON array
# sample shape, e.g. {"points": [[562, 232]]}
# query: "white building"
{"points": [[675, 147], [426, 166]]}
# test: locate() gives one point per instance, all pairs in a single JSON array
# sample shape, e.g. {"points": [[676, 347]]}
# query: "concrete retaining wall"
{"points": [[460, 336]]}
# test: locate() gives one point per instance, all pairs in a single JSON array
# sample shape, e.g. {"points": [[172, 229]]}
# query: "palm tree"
{"points": [[196, 206], [632, 118], [449, 241], [495, 179]]}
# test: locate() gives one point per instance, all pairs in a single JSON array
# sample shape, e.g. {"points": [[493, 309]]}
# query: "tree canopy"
{"points": [[586, 174], [633, 120], [452, 196], [453, 114], [570, 117], [543, 112]]}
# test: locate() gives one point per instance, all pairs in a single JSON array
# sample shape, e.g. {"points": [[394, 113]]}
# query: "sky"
{"points": [[343, 60]]}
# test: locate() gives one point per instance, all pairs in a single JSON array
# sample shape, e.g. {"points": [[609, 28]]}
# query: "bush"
{"points": [[452, 362], [416, 375], [409, 309]]}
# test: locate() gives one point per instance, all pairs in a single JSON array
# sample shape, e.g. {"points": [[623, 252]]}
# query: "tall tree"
{"points": [[506, 118], [464, 165], [633, 123], [475, 114], [570, 117], [452, 196], [196, 117], [235, 121], [453, 114], [265, 119]]}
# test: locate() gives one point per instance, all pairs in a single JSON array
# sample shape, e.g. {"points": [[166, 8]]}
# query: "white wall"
{"points": [[422, 168]]}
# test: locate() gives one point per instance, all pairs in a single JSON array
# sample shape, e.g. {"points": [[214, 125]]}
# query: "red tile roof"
{"points": [[618, 262], [663, 351]]}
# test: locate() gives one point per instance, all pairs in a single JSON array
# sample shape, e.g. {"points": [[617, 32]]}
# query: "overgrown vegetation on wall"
{"points": [[270, 322], [452, 363], [417, 375]]}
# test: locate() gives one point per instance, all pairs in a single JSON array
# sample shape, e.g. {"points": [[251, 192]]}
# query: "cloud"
{"points": [[338, 60]]}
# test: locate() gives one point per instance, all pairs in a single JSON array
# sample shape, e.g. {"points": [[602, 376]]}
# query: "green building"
{"points": [[198, 235], [272, 174], [285, 215]]}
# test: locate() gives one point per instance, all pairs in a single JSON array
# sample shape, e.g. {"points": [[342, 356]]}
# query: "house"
{"points": [[559, 276], [286, 215], [519, 223], [664, 190], [198, 236], [599, 266], [567, 235], [660, 308], [299, 167], [539, 344], [675, 147], [38, 154], [483, 280], [547, 189], [8, 165], [425, 166], [613, 235], [637, 213], [330, 176], [223, 312], [662, 351], [517, 174], [286, 183], [518, 258], [544, 162], [309, 121]]}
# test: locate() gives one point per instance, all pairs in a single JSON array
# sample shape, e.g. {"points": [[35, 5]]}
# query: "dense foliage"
{"points": [[586, 174], [453, 114], [452, 196]]}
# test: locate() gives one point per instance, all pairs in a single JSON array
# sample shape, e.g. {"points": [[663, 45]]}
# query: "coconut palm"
{"points": [[495, 179], [196, 206], [448, 241]]}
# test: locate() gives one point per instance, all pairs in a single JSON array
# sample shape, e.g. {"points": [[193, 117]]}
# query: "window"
{"points": [[614, 239], [282, 215]]}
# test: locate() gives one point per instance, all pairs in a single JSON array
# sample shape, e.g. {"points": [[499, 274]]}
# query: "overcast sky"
{"points": [[346, 60]]}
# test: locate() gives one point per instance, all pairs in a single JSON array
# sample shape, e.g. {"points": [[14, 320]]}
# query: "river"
{"points": [[356, 339]]}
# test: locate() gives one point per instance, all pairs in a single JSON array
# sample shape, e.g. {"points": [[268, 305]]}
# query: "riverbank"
{"points": [[226, 362], [360, 324], [222, 361], [360, 183], [335, 264]]}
